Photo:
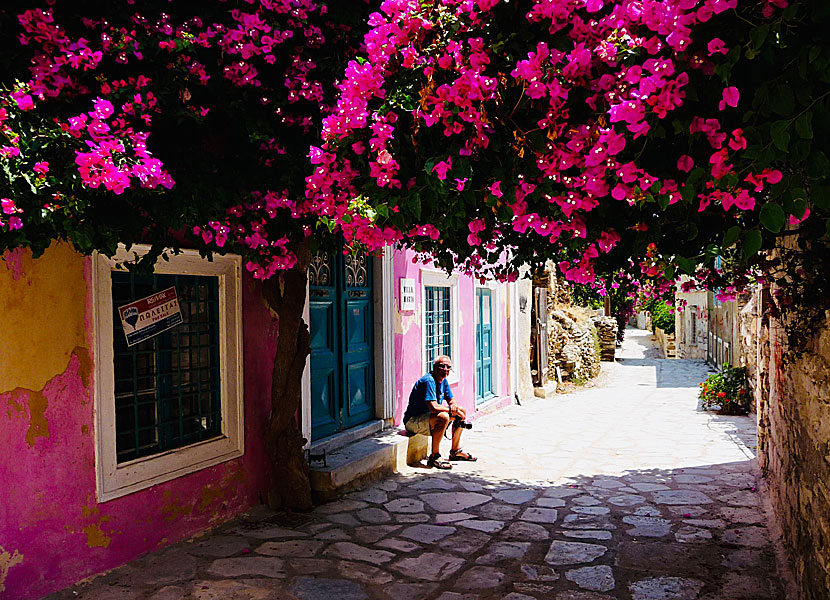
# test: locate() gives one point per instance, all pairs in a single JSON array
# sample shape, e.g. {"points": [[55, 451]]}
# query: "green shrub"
{"points": [[726, 392], [662, 316]]}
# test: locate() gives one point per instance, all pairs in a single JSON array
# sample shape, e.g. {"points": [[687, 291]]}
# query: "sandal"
{"points": [[434, 461], [461, 455]]}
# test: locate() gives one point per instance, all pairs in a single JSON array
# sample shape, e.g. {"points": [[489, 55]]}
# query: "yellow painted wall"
{"points": [[41, 315]]}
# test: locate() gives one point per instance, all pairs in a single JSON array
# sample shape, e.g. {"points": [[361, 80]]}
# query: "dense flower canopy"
{"points": [[591, 131], [641, 136]]}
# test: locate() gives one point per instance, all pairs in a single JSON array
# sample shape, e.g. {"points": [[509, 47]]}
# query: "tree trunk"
{"points": [[286, 295]]}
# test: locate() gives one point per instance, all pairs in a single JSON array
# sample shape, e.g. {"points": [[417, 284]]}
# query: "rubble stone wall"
{"points": [[792, 393], [572, 346]]}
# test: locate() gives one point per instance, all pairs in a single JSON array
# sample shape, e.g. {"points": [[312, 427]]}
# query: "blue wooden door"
{"points": [[484, 345], [340, 314]]}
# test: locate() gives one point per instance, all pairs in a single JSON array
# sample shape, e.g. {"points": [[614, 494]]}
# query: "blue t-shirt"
{"points": [[424, 391]]}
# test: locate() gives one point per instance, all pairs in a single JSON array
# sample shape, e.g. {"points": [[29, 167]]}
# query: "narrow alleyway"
{"points": [[618, 491]]}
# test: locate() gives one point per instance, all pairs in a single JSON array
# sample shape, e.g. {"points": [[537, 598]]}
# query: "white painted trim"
{"points": [[432, 277], [384, 342], [114, 480], [513, 335], [497, 321], [305, 400]]}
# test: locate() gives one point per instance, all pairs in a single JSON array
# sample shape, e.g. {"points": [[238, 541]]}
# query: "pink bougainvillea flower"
{"points": [[495, 189], [41, 168], [685, 163], [795, 220], [730, 98], [716, 46], [15, 223], [460, 183], [24, 102], [442, 167]]}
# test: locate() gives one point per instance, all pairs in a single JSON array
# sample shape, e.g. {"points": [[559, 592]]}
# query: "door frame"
{"points": [[498, 319], [383, 342]]}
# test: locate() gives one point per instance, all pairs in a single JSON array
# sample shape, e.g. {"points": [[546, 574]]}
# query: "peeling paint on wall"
{"points": [[95, 536], [7, 561]]}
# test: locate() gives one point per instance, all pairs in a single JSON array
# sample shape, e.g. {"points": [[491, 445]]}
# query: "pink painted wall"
{"points": [[408, 342], [53, 532]]}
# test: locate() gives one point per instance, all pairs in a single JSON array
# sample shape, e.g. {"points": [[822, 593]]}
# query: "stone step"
{"points": [[353, 466]]}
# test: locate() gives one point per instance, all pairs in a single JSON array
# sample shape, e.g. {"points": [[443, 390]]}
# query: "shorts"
{"points": [[419, 424]]}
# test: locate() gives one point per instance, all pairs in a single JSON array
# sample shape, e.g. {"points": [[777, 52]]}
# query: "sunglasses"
{"points": [[445, 367]]}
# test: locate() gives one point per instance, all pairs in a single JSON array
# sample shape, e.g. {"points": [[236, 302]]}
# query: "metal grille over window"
{"points": [[167, 388], [356, 274], [437, 319], [319, 270]]}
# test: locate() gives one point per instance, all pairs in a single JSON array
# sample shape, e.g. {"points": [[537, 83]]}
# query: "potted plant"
{"points": [[726, 391]]}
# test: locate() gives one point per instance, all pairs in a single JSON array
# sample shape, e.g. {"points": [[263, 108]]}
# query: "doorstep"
{"points": [[361, 461]]}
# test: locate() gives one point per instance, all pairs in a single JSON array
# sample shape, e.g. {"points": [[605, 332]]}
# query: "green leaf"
{"points": [[799, 208], [687, 265], [751, 243], [731, 236], [804, 126], [663, 201], [821, 196], [772, 217], [814, 53], [688, 193], [758, 35], [780, 137]]}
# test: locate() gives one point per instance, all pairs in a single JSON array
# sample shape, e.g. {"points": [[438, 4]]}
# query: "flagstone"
{"points": [[465, 542], [577, 521], [485, 525], [586, 500], [539, 515], [501, 551], [405, 505], [684, 497], [479, 578], [591, 510], [534, 572], [374, 515], [626, 500], [568, 553], [320, 588], [248, 565], [454, 501], [501, 512], [598, 579], [561, 492], [444, 518], [398, 545], [369, 534], [363, 573], [412, 518], [373, 496], [649, 487], [427, 534], [665, 588], [647, 526], [429, 566], [333, 535], [689, 535], [550, 502], [515, 496], [307, 566], [588, 534], [291, 548], [527, 531], [344, 519], [351, 551], [409, 591], [341, 506], [220, 546]]}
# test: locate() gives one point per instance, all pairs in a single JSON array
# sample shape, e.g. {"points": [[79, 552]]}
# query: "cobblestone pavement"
{"points": [[621, 490]]}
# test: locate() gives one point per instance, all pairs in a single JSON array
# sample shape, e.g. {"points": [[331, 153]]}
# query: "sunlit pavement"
{"points": [[620, 490]]}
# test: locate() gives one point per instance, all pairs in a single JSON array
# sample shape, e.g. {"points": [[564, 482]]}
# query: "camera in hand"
{"points": [[459, 422]]}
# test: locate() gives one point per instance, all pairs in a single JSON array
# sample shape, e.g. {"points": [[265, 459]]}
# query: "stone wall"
{"points": [[792, 393], [572, 346]]}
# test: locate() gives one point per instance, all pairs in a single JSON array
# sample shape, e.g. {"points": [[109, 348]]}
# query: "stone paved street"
{"points": [[621, 490]]}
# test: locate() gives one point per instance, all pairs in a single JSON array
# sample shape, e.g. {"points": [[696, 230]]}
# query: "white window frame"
{"points": [[115, 480], [496, 323], [434, 278]]}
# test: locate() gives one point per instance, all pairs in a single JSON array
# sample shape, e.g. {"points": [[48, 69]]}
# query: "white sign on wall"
{"points": [[407, 294]]}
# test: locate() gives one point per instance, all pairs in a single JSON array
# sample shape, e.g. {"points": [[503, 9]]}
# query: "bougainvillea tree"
{"points": [[595, 132], [177, 123]]}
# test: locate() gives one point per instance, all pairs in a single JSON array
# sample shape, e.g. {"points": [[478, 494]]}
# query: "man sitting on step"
{"points": [[427, 414]]}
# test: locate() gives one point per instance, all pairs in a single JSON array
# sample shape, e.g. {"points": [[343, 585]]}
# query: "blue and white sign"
{"points": [[150, 316]]}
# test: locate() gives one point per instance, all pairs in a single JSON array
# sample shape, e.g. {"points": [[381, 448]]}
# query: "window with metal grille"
{"points": [[167, 388], [438, 323]]}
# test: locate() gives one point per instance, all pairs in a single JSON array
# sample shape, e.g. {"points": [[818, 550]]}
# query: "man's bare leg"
{"points": [[438, 423]]}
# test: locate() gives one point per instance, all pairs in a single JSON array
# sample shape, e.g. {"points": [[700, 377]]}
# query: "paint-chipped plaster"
{"points": [[48, 437], [7, 561]]}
